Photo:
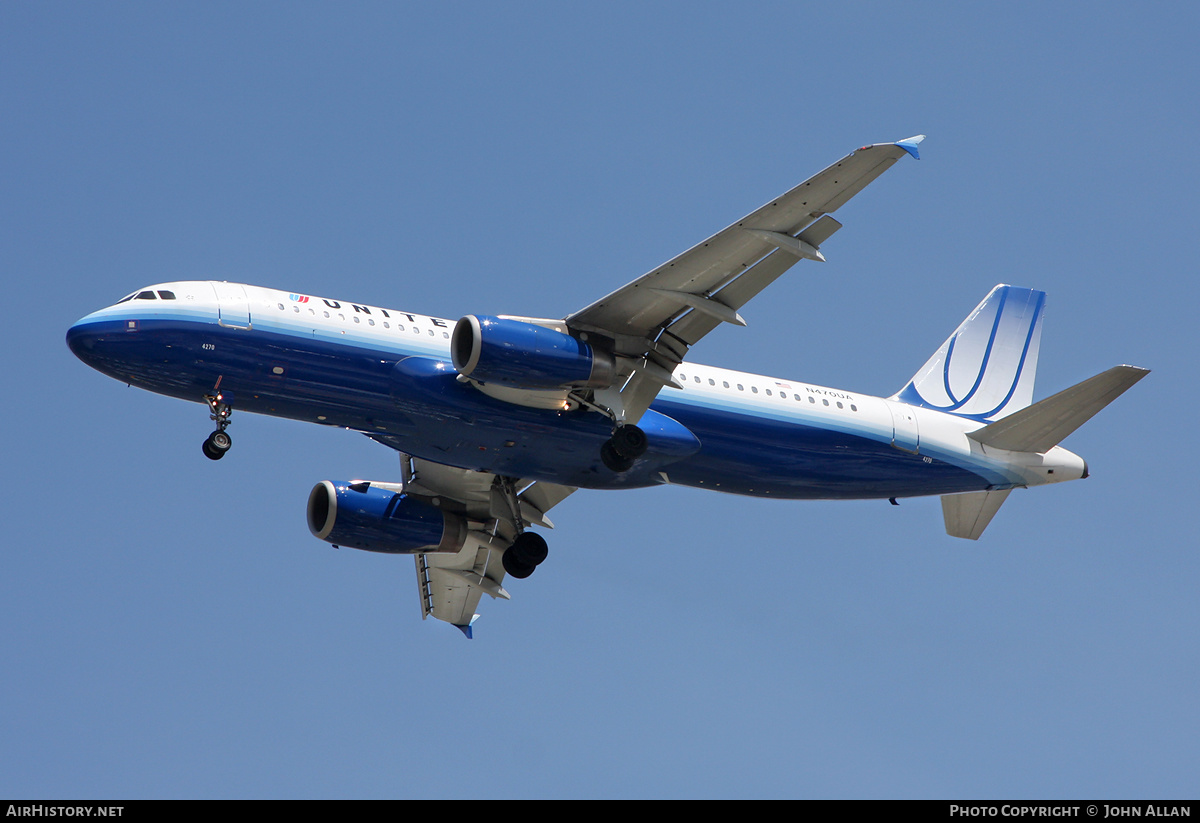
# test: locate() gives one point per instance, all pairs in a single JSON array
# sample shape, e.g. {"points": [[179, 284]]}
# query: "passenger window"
{"points": [[697, 378], [853, 407], [725, 383], [740, 387], [754, 389], [768, 392], [712, 382], [840, 406], [812, 399], [826, 402]]}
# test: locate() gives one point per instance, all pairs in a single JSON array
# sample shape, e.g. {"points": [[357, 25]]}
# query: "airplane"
{"points": [[499, 418]]}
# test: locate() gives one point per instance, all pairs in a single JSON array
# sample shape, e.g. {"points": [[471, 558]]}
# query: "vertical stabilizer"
{"points": [[986, 369]]}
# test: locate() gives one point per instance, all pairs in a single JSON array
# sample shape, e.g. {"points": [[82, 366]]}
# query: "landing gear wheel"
{"points": [[614, 461], [629, 441], [516, 568], [216, 444], [530, 548], [527, 551]]}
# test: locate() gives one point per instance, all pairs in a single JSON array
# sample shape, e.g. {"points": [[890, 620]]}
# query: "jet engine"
{"points": [[525, 355], [380, 517]]}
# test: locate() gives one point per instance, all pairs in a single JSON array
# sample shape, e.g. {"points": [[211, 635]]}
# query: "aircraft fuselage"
{"points": [[389, 375]]}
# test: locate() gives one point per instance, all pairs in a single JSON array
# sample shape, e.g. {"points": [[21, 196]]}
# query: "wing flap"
{"points": [[450, 585], [542, 497]]}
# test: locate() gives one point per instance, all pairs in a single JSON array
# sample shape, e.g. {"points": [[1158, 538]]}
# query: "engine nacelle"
{"points": [[526, 356], [380, 519]]}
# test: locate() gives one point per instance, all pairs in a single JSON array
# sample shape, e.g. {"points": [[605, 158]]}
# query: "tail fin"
{"points": [[985, 370]]}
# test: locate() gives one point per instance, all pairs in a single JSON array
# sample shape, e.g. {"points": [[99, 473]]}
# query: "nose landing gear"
{"points": [[217, 443]]}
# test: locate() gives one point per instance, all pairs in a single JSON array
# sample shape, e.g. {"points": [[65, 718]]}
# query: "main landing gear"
{"points": [[626, 445], [525, 554], [527, 550], [217, 443]]}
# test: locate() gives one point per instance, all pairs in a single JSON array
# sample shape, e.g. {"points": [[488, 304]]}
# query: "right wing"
{"points": [[450, 585], [654, 320]]}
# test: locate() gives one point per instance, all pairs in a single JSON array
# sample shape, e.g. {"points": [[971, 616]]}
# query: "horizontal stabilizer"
{"points": [[967, 515], [1042, 426]]}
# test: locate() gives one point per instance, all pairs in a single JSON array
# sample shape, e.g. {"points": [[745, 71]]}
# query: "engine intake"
{"points": [[377, 519], [526, 356]]}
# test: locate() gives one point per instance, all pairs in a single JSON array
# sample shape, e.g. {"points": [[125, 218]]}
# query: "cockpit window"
{"points": [[146, 295], [127, 297], [166, 295]]}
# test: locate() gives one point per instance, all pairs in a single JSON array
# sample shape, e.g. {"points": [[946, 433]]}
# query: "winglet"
{"points": [[467, 628], [909, 144]]}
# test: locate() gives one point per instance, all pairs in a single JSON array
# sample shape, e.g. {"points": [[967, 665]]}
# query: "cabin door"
{"points": [[904, 427]]}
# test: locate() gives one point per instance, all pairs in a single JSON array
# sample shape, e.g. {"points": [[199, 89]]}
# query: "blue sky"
{"points": [[171, 629]]}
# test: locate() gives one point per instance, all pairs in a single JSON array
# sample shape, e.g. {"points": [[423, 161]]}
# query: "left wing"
{"points": [[450, 585], [654, 320]]}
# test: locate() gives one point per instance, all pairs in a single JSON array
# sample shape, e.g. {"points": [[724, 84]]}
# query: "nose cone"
{"points": [[92, 339], [82, 338]]}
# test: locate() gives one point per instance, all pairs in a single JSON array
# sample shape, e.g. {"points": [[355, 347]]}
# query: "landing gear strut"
{"points": [[527, 550], [626, 445], [217, 443]]}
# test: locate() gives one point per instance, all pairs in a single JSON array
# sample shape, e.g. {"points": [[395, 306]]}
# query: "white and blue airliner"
{"points": [[498, 418]]}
